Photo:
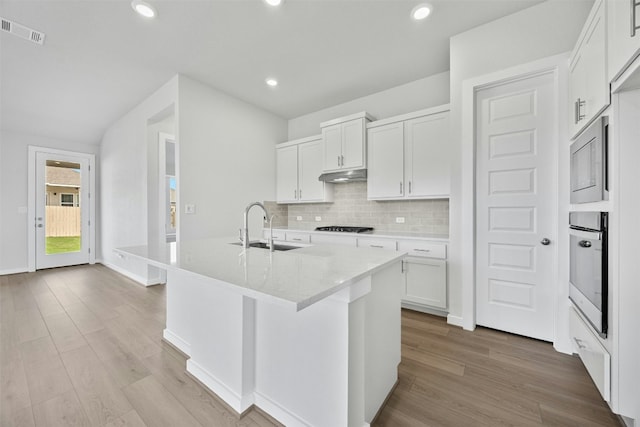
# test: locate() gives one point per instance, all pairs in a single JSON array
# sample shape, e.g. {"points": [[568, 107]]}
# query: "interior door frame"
{"points": [[558, 65], [31, 200]]}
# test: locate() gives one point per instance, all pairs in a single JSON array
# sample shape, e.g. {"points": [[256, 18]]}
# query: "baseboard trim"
{"points": [[177, 342], [455, 320], [13, 271], [138, 279], [281, 414], [423, 309], [236, 402]]}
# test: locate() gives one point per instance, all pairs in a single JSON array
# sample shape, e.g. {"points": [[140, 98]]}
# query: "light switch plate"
{"points": [[189, 209], [399, 220]]}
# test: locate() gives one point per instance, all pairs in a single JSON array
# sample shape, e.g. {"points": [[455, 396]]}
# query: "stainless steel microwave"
{"points": [[589, 164]]}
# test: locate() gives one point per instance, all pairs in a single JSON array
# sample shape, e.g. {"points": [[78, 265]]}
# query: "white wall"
{"points": [[226, 160], [123, 180], [541, 31], [423, 93], [13, 193]]}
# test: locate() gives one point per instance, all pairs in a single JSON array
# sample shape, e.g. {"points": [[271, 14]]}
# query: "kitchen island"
{"points": [[310, 335]]}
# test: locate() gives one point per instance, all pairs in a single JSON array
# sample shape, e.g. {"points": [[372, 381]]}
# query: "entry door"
{"points": [[62, 210], [515, 192]]}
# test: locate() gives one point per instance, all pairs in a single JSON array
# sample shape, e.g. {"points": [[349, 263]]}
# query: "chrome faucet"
{"points": [[244, 237]]}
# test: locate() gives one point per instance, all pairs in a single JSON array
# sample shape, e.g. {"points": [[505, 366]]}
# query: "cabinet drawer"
{"points": [[298, 237], [332, 239], [423, 249], [372, 242], [594, 356], [277, 234]]}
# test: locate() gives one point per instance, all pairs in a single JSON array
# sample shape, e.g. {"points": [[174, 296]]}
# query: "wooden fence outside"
{"points": [[62, 221]]}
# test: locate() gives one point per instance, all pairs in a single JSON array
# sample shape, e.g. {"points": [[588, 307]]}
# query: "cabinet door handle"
{"points": [[579, 343], [295, 239], [338, 161], [401, 188], [633, 4], [422, 250], [300, 194], [580, 103], [294, 194], [376, 246], [341, 160], [409, 187]]}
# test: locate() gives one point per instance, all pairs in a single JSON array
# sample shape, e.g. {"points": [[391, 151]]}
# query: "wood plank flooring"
{"points": [[81, 346]]}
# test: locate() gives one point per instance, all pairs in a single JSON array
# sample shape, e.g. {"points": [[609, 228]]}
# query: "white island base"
{"points": [[332, 363]]}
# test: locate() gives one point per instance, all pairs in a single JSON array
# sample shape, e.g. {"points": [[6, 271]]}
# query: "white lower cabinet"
{"points": [[377, 243], [425, 267], [297, 237], [426, 282], [594, 356]]}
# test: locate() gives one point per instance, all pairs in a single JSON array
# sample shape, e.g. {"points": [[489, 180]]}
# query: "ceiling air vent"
{"points": [[22, 31]]}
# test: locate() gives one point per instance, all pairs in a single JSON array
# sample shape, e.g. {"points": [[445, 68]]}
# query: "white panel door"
{"points": [[386, 161], [427, 158], [287, 174], [309, 169], [515, 192], [62, 210]]}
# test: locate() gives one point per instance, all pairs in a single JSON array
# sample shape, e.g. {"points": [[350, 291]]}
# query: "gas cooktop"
{"points": [[345, 229]]}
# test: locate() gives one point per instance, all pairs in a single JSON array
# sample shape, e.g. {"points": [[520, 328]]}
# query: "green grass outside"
{"points": [[58, 245]]}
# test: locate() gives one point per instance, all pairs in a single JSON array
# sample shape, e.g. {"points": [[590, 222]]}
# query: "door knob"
{"points": [[545, 241]]}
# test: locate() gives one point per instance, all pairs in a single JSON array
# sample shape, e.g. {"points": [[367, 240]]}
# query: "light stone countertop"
{"points": [[384, 234], [295, 278]]}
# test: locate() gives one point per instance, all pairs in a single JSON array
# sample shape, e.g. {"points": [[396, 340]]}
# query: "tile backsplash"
{"points": [[351, 207]]}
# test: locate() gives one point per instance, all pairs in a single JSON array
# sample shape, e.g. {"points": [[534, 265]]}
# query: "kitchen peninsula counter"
{"points": [[310, 335]]}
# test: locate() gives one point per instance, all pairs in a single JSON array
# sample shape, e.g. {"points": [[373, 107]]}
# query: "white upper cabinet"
{"points": [[409, 156], [309, 169], [385, 177], [623, 35], [427, 156], [287, 174], [588, 82], [344, 143], [298, 166]]}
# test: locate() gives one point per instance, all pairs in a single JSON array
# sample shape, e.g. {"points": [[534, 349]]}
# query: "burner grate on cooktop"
{"points": [[345, 229]]}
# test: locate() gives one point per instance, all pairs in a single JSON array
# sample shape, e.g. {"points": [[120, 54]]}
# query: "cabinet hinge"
{"points": [[89, 250]]}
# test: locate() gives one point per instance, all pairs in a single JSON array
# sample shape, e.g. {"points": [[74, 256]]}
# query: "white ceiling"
{"points": [[100, 59]]}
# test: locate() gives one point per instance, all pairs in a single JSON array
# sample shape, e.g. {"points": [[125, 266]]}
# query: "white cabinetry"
{"points": [[409, 156], [426, 282], [588, 83], [344, 143], [425, 274], [594, 356], [298, 166], [623, 35]]}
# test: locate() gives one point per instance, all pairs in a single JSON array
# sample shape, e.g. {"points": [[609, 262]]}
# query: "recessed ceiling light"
{"points": [[273, 2], [143, 8], [271, 82], [421, 11]]}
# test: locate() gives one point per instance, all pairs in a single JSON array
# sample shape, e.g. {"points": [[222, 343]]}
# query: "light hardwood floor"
{"points": [[81, 346]]}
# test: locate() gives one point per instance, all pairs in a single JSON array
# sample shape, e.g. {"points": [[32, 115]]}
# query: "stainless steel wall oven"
{"points": [[588, 274]]}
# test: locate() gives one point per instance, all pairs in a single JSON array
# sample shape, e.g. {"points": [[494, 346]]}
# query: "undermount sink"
{"points": [[264, 245]]}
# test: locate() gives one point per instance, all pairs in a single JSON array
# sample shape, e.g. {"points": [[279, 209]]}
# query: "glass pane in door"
{"points": [[62, 207]]}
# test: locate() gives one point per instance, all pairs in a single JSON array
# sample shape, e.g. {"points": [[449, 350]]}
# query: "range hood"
{"points": [[346, 176]]}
